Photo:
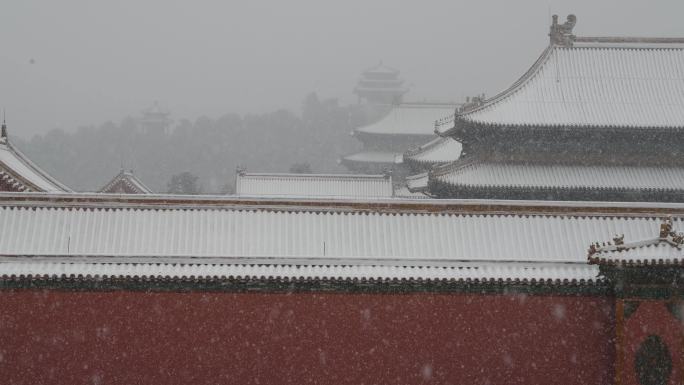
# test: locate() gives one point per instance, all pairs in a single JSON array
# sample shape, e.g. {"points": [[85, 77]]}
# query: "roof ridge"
{"points": [[629, 39], [317, 175], [529, 74], [128, 177]]}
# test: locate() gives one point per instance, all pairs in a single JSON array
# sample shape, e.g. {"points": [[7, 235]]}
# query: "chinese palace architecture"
{"points": [[384, 142], [319, 186], [272, 287], [155, 120], [18, 173], [125, 183], [274, 185], [593, 119], [380, 85]]}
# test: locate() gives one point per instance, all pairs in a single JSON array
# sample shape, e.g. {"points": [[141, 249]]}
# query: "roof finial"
{"points": [[3, 132], [561, 34], [240, 170]]}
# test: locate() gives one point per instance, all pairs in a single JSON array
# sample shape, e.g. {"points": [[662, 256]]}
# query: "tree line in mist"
{"points": [[208, 149]]}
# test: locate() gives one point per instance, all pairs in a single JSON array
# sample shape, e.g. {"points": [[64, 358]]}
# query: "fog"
{"points": [[72, 63]]}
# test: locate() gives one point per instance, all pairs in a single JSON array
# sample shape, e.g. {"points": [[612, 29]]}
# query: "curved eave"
{"points": [[463, 116], [421, 155], [48, 184], [617, 190], [635, 262], [462, 123]]}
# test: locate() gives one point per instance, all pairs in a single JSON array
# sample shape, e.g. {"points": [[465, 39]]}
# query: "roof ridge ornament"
{"points": [[240, 170], [561, 34], [666, 235], [471, 103], [3, 130]]}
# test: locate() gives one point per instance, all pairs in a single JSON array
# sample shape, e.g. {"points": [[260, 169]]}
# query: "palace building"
{"points": [[145, 288], [125, 183], [595, 118], [380, 85], [155, 120], [355, 285], [385, 141], [18, 173], [281, 185]]}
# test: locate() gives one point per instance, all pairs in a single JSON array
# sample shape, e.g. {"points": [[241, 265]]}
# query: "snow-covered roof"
{"points": [[375, 157], [155, 110], [404, 192], [409, 119], [512, 175], [659, 246], [181, 236], [596, 83], [437, 151], [381, 68], [125, 182], [464, 271], [313, 185], [390, 239], [18, 171], [418, 182]]}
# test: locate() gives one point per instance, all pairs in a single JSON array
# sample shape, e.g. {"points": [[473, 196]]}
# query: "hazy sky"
{"points": [[69, 63]]}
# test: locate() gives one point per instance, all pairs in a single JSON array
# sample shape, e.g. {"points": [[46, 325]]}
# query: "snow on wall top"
{"points": [[57, 267], [313, 185]]}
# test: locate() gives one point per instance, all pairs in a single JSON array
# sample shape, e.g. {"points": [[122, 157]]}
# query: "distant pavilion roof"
{"points": [[20, 174], [409, 119], [382, 157], [313, 185], [595, 83], [125, 182], [381, 69], [155, 110], [175, 236]]}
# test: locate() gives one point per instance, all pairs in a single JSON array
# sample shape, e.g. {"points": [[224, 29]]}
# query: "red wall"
{"points": [[55, 337], [652, 317]]}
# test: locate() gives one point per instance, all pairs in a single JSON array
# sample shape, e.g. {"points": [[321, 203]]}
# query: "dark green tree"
{"points": [[301, 168], [183, 183]]}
